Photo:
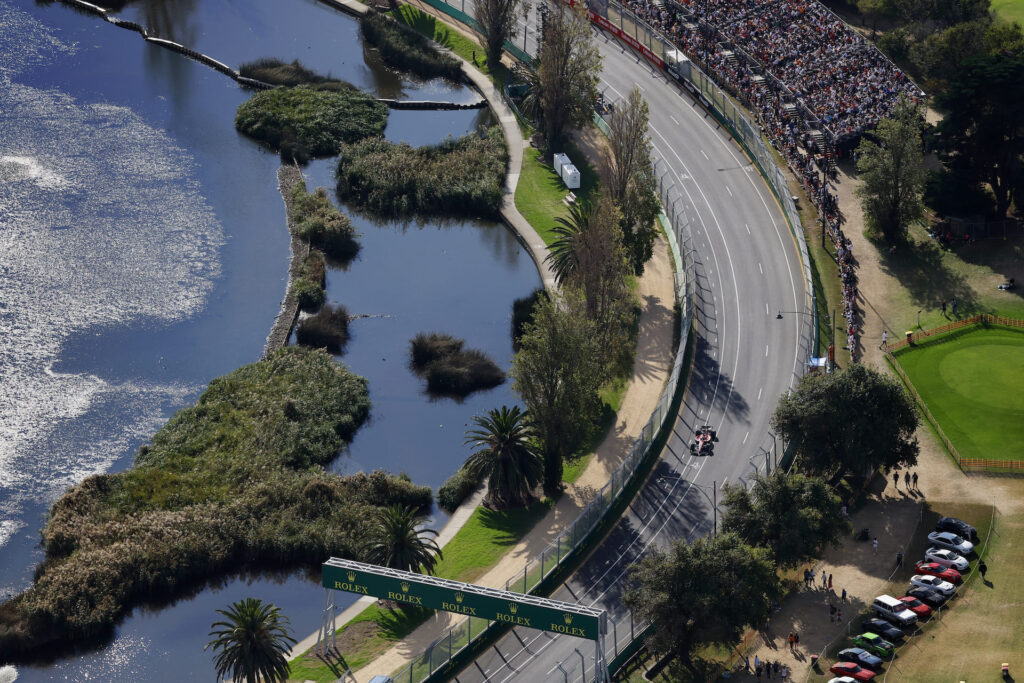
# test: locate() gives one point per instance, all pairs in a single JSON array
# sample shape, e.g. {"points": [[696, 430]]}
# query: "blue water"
{"points": [[145, 253]]}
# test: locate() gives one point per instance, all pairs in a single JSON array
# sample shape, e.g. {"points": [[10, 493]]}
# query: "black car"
{"points": [[958, 527], [928, 596], [883, 628]]}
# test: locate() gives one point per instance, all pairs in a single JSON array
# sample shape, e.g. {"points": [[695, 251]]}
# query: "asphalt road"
{"points": [[747, 271]]}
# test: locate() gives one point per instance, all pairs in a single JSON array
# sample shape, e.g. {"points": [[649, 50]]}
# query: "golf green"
{"points": [[973, 384]]}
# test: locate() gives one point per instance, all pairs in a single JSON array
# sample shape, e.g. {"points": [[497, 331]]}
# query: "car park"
{"points": [[947, 558], [875, 644], [936, 569], [854, 671], [882, 628], [933, 582], [860, 656], [928, 596], [958, 527], [893, 610], [950, 541], [921, 610]]}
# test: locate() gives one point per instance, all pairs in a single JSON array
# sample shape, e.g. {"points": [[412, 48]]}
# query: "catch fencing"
{"points": [[934, 335]]}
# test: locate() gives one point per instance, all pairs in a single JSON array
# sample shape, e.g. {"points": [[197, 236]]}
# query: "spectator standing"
{"points": [[953, 307], [791, 641], [844, 595], [983, 568], [906, 479], [943, 307], [915, 481], [885, 338], [899, 559], [874, 545], [830, 582], [896, 480]]}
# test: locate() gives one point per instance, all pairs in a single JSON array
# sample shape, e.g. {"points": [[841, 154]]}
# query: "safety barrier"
{"points": [[935, 335]]}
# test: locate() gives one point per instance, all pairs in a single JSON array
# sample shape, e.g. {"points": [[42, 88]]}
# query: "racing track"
{"points": [[747, 270]]}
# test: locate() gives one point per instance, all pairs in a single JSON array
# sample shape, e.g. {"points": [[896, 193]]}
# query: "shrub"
{"points": [[321, 223], [455, 490], [426, 348], [462, 373], [315, 267], [236, 478], [405, 48], [310, 294], [522, 314], [310, 121], [277, 72], [449, 369], [460, 177], [327, 329]]}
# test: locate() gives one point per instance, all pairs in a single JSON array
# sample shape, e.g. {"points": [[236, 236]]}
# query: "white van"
{"points": [[893, 610]]}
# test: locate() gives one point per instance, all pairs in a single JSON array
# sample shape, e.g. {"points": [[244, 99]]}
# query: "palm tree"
{"points": [[398, 543], [506, 455], [564, 255], [253, 643]]}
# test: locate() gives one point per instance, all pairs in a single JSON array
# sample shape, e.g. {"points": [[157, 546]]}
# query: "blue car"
{"points": [[862, 657]]}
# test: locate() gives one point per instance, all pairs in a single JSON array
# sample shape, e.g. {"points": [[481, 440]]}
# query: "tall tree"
{"points": [[557, 372], [252, 643], [793, 516], [397, 541], [892, 173], [627, 173], [984, 123], [702, 593], [569, 66], [497, 21], [855, 420], [505, 454]]}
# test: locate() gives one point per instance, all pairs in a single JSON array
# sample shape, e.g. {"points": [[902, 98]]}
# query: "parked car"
{"points": [[950, 541], [893, 610], [947, 558], [875, 644], [933, 582], [921, 610], [854, 671], [862, 657], [881, 627], [928, 596], [958, 527], [936, 569]]}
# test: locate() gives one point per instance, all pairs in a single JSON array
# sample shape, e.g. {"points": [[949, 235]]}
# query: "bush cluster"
{"points": [[455, 490], [236, 479], [460, 177], [451, 370], [305, 122], [309, 292], [406, 49], [522, 314], [321, 224], [327, 329], [278, 72]]}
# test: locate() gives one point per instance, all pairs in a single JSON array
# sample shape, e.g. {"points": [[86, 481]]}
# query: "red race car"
{"points": [[852, 670], [936, 569], [922, 610]]}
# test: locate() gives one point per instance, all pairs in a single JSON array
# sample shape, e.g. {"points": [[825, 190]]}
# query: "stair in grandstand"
{"points": [[756, 80], [730, 57], [818, 137], [789, 110]]}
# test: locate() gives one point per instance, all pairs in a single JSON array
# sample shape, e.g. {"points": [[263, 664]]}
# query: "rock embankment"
{"points": [[287, 178]]}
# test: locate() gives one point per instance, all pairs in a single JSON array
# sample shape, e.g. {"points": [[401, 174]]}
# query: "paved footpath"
{"points": [[651, 368]]}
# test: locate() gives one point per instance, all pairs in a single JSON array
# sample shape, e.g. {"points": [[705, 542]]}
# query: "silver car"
{"points": [[947, 558], [933, 582], [951, 541]]}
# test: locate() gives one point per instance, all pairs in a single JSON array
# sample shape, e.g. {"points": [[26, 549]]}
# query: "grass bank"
{"points": [[236, 479], [304, 122], [459, 177], [540, 192], [404, 48], [277, 72]]}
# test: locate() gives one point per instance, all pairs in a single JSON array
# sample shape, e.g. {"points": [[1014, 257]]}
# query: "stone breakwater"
{"points": [[287, 178]]}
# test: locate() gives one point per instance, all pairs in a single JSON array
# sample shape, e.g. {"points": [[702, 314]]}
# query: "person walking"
{"points": [[943, 307], [874, 545], [839, 616], [885, 337], [983, 568], [746, 664], [914, 478], [830, 582], [953, 307], [896, 480], [906, 479], [790, 640], [796, 638], [757, 672], [757, 664], [899, 559], [844, 595], [824, 579]]}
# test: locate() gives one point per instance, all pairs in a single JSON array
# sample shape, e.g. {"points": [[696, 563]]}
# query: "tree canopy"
{"points": [[497, 20], [892, 173], [854, 420], [793, 516], [702, 593], [252, 643], [984, 123], [506, 455], [397, 541], [557, 372]]}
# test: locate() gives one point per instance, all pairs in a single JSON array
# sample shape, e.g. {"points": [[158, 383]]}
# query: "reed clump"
{"points": [[406, 49]]}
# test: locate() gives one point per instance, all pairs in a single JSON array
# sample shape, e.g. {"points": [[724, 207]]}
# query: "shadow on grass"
{"points": [[920, 268], [395, 624], [510, 525]]}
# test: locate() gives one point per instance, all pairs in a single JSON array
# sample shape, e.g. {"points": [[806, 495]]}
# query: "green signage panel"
{"points": [[508, 608]]}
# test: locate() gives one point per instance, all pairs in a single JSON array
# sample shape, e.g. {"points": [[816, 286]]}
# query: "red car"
{"points": [[852, 670], [922, 610], [936, 569]]}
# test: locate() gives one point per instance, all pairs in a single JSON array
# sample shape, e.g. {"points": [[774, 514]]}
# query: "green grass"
{"points": [[971, 382], [1011, 10], [540, 191]]}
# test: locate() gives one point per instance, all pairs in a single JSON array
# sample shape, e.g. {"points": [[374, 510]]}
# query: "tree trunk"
{"points": [[552, 473]]}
